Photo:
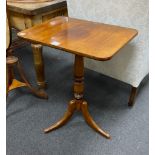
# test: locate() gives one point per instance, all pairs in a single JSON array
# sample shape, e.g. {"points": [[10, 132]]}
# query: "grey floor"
{"points": [[28, 115]]}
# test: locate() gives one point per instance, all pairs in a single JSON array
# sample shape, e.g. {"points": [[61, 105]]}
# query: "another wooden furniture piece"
{"points": [[29, 1], [84, 39], [11, 61], [27, 13], [134, 66]]}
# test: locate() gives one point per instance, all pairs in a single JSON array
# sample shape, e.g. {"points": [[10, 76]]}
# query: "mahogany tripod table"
{"points": [[84, 39]]}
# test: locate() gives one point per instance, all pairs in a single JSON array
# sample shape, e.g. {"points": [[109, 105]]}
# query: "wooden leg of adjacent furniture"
{"points": [[78, 102], [40, 93], [39, 64], [132, 96], [13, 61], [12, 83]]}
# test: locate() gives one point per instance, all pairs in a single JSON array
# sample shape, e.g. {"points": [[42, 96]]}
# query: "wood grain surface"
{"points": [[85, 38]]}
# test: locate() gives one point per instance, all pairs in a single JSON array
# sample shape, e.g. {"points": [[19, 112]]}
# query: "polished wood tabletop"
{"points": [[85, 38]]}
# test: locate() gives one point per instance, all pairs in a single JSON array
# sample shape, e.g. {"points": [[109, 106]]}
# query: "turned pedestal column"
{"points": [[78, 103]]}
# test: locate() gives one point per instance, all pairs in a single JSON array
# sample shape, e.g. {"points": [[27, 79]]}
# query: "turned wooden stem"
{"points": [[79, 77]]}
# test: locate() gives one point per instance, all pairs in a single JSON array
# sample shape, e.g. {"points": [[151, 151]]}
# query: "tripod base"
{"points": [[72, 107], [16, 84], [78, 102]]}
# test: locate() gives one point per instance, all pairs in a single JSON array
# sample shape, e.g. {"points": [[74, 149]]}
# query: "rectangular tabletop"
{"points": [[35, 8], [85, 38]]}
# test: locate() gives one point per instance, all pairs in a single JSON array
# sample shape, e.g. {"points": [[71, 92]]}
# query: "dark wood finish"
{"points": [[84, 39], [78, 102], [89, 39], [133, 95], [39, 8]]}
